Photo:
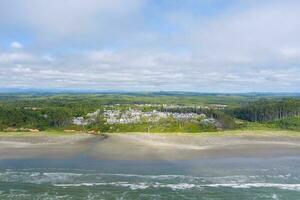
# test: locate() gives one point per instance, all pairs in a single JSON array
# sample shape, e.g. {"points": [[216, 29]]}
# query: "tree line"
{"points": [[268, 110]]}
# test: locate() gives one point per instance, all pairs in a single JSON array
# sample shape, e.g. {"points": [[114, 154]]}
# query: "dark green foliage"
{"points": [[292, 123], [225, 121], [20, 117], [268, 110], [56, 111], [163, 126], [45, 112]]}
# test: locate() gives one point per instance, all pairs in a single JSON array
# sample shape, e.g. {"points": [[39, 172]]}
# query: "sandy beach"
{"points": [[136, 146]]}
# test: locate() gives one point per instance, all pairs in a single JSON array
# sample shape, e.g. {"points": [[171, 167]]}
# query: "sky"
{"points": [[151, 45]]}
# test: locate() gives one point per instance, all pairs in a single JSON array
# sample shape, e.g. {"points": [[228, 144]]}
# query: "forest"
{"points": [[268, 110], [165, 112]]}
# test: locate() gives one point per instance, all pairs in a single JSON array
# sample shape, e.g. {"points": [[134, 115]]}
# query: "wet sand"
{"points": [[142, 146]]}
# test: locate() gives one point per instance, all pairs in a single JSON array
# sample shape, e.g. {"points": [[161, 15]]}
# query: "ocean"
{"points": [[229, 178]]}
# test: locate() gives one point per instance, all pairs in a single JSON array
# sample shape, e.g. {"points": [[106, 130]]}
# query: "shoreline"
{"points": [[149, 146], [238, 132]]}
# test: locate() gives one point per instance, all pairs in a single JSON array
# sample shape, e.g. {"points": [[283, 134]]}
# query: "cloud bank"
{"points": [[207, 46]]}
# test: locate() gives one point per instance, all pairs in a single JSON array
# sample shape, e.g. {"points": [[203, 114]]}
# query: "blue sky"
{"points": [[151, 45]]}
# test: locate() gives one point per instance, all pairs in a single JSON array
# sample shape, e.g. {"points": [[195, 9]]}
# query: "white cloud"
{"points": [[21, 69], [290, 53], [127, 72], [16, 45], [56, 20], [118, 44], [244, 36], [22, 57]]}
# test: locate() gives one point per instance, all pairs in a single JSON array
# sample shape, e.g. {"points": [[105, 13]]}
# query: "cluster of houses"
{"points": [[80, 121], [89, 119], [136, 116], [170, 106], [128, 116], [113, 114]]}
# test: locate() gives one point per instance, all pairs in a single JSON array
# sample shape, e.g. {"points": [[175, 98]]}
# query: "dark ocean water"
{"points": [[218, 178]]}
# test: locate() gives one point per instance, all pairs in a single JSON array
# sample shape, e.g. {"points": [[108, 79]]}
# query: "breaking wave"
{"points": [[184, 186], [142, 182]]}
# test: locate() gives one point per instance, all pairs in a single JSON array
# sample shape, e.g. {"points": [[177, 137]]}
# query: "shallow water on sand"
{"points": [[215, 178]]}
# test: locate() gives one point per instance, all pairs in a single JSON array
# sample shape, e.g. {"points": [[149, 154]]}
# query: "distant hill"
{"points": [[141, 93]]}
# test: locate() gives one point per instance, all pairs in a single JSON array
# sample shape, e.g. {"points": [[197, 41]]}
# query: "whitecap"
{"points": [[282, 186], [133, 186]]}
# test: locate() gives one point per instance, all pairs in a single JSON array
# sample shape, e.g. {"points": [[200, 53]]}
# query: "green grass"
{"points": [[163, 126], [260, 126], [291, 123], [235, 133]]}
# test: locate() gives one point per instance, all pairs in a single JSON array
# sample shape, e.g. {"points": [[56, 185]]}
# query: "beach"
{"points": [[145, 146], [227, 165]]}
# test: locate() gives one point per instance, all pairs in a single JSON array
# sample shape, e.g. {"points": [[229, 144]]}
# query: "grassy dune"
{"points": [[239, 133]]}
